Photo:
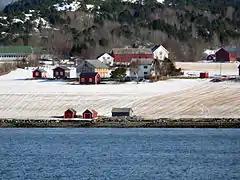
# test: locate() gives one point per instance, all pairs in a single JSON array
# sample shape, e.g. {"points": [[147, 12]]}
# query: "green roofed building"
{"points": [[15, 53]]}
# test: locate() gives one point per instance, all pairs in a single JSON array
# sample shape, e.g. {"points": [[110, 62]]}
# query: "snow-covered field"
{"points": [[172, 98], [214, 69]]}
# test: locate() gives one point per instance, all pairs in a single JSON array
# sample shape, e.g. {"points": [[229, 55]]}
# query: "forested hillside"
{"points": [[89, 27]]}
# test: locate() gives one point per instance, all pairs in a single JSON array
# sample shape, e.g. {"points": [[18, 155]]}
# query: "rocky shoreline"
{"points": [[120, 123]]}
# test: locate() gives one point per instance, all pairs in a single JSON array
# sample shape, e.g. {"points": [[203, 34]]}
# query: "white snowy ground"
{"points": [[214, 69], [172, 98]]}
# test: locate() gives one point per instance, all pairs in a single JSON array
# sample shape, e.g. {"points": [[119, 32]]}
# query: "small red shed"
{"points": [[89, 78], [39, 73], [70, 113], [61, 72], [204, 75], [90, 114]]}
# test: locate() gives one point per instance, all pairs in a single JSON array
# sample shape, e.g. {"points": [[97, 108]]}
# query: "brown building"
{"points": [[61, 72]]}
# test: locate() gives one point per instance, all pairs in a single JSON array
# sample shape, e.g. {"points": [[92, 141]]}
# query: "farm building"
{"points": [[123, 56], [89, 78], [122, 112], [106, 59], [94, 65], [211, 57], [61, 72], [159, 52], [39, 73], [141, 68], [15, 53], [70, 113], [228, 55], [90, 114]]}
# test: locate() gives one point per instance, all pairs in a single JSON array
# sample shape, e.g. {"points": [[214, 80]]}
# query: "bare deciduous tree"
{"points": [[59, 43]]}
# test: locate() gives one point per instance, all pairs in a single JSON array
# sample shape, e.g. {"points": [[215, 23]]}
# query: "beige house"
{"points": [[94, 65]]}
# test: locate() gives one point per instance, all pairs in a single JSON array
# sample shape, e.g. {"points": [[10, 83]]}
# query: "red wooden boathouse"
{"points": [[90, 114], [61, 72], [39, 73], [70, 113]]}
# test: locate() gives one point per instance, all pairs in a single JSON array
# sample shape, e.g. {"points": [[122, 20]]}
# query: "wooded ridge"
{"points": [[90, 27]]}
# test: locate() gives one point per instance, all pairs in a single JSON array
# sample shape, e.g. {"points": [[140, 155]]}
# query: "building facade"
{"points": [[159, 52], [123, 56], [106, 59], [89, 78], [118, 112], [39, 73], [94, 66], [90, 114], [70, 113], [15, 53], [61, 72], [141, 68]]}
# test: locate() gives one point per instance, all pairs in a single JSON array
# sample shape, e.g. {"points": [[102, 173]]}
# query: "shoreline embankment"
{"points": [[120, 123]]}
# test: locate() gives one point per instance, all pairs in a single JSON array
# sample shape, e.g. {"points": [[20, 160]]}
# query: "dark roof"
{"points": [[40, 70], [121, 109], [91, 110], [155, 47], [143, 61], [63, 67], [72, 110], [131, 51], [96, 63], [88, 74]]}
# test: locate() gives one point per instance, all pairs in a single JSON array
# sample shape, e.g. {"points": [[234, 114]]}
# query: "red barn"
{"points": [[70, 113], [227, 55], [125, 55], [39, 73], [90, 114], [61, 72], [89, 78]]}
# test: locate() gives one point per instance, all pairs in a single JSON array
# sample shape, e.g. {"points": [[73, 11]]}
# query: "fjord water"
{"points": [[120, 154]]}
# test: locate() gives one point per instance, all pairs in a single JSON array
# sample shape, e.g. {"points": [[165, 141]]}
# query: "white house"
{"points": [[159, 52], [106, 59], [141, 68]]}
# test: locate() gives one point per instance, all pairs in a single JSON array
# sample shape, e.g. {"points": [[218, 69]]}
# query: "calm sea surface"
{"points": [[120, 154]]}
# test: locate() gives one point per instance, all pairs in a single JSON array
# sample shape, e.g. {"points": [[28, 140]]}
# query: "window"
{"points": [[61, 73], [56, 73], [82, 79], [90, 79], [145, 73], [145, 67], [37, 74]]}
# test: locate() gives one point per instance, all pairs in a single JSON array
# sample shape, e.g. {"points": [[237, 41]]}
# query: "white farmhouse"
{"points": [[106, 59], [141, 68], [159, 52]]}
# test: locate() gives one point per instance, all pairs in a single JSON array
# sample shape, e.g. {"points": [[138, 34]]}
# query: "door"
{"points": [[87, 116]]}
